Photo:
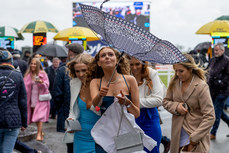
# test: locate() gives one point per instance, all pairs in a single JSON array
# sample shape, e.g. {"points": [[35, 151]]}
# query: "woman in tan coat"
{"points": [[189, 100]]}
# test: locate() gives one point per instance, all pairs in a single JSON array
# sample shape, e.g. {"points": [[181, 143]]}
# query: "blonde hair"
{"points": [[38, 67], [81, 58], [190, 65], [95, 71]]}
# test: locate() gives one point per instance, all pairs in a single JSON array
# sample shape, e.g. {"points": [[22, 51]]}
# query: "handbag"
{"points": [[73, 125], [45, 97], [128, 142]]}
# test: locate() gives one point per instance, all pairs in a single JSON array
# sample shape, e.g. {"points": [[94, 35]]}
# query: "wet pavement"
{"points": [[53, 140]]}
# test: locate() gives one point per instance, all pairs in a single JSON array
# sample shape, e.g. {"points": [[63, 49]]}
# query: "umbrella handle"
{"points": [[115, 69], [101, 6]]}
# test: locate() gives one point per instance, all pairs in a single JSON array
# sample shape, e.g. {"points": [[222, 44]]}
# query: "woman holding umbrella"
{"points": [[37, 83], [99, 74]]}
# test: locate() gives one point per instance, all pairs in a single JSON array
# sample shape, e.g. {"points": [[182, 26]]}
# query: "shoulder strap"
{"points": [[5, 81], [126, 83]]}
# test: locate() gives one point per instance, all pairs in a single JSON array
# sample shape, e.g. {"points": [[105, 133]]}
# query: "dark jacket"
{"points": [[61, 90], [22, 65], [13, 100], [218, 78], [51, 72]]}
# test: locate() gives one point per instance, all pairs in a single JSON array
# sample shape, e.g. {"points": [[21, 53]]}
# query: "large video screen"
{"points": [[7, 42], [135, 12]]}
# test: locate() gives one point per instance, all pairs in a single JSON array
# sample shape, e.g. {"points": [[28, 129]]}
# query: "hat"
{"points": [[75, 47], [16, 54], [5, 56]]}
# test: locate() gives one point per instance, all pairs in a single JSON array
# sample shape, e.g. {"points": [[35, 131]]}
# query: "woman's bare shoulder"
{"points": [[129, 78], [95, 80]]}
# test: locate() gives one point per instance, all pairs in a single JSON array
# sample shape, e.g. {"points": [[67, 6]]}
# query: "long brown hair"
{"points": [[145, 75], [38, 68], [190, 65], [95, 71]]}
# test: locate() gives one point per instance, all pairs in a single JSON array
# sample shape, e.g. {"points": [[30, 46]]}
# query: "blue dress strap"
{"points": [[124, 80], [126, 83]]}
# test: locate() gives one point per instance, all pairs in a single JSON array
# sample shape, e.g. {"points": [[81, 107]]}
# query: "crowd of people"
{"points": [[80, 91]]}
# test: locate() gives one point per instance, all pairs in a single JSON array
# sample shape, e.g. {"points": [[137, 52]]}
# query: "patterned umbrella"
{"points": [[129, 38], [38, 27]]}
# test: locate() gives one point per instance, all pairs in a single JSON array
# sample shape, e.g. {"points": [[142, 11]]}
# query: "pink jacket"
{"points": [[41, 110]]}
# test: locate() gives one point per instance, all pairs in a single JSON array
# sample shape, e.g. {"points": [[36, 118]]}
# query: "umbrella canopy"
{"points": [[38, 27], [20, 37], [8, 31], [76, 32], [130, 38], [223, 17], [52, 50], [217, 26], [203, 45]]}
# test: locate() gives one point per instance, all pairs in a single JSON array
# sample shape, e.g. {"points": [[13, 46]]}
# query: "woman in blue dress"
{"points": [[151, 96], [99, 74], [81, 104]]}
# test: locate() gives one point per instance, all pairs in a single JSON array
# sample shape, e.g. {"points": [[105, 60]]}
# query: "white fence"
{"points": [[165, 70]]}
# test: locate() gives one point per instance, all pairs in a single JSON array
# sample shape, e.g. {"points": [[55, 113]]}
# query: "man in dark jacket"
{"points": [[21, 63], [61, 90], [13, 103], [218, 81], [51, 72]]}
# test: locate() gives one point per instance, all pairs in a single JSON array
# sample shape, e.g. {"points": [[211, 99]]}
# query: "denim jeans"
{"points": [[219, 102], [7, 139], [22, 147]]}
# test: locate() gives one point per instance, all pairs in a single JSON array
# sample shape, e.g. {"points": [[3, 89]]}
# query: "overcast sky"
{"points": [[172, 20]]}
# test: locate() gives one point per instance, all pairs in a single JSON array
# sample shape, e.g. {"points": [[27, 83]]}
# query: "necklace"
{"points": [[112, 82]]}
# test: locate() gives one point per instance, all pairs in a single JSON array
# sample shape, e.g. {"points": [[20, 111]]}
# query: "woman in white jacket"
{"points": [[81, 103], [151, 96]]}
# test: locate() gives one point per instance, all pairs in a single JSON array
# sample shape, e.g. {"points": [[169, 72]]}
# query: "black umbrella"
{"points": [[130, 38], [203, 45], [53, 50]]}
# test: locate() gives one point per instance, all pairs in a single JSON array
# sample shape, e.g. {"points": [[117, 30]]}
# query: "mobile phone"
{"points": [[37, 78], [185, 106]]}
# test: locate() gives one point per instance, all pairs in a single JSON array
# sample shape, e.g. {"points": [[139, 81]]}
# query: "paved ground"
{"points": [[53, 139]]}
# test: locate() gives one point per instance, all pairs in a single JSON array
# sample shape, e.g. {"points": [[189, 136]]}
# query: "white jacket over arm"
{"points": [[151, 98], [106, 128]]}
